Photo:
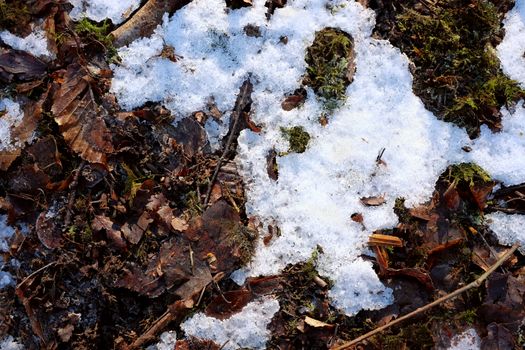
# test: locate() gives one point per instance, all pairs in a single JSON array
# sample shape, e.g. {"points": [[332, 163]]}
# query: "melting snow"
{"points": [[317, 191], [508, 228], [511, 49], [246, 329], [10, 117], [98, 10], [468, 340], [35, 43], [168, 341], [6, 232], [8, 343]]}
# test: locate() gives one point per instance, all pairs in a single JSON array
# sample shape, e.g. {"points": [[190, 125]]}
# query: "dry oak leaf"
{"points": [[78, 115]]}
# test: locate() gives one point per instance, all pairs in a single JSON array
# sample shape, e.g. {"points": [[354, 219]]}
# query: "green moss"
{"points": [[297, 137], [99, 33], [330, 66], [468, 316], [458, 74], [468, 173], [414, 336], [243, 239], [13, 14]]}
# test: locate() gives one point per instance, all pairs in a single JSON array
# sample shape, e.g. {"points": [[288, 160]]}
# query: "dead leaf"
{"points": [[312, 322], [179, 224], [102, 222], [373, 201], [198, 281], [498, 338], [229, 303], [79, 117], [384, 240], [480, 194], [237, 4], [47, 231], [66, 333], [21, 66]]}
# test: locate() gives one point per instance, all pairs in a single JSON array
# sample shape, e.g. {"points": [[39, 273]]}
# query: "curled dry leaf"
{"points": [[373, 201], [79, 116], [312, 322], [47, 231]]}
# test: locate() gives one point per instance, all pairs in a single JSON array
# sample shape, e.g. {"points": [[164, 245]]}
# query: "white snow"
{"points": [[8, 343], [468, 340], [168, 341], [35, 43], [317, 191], [511, 49], [246, 329], [10, 117], [508, 228], [6, 232], [98, 10]]}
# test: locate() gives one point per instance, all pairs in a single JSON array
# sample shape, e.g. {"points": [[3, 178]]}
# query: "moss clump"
{"points": [[458, 74], [13, 14], [297, 137], [330, 70], [469, 174], [98, 33]]}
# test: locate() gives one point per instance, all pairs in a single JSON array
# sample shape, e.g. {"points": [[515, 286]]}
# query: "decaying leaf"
{"points": [[47, 231], [21, 66], [312, 322], [102, 222], [236, 4], [79, 116], [373, 201]]}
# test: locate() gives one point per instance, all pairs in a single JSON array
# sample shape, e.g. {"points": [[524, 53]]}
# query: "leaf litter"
{"points": [[167, 221]]}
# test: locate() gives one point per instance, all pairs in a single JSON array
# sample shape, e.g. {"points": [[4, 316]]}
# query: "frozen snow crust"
{"points": [[317, 191], [246, 329], [35, 43]]}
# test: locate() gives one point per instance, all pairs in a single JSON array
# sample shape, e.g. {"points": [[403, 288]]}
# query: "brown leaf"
{"points": [[373, 201], [22, 132], [21, 66], [312, 322], [384, 240], [66, 332], [79, 117], [271, 165], [480, 193], [198, 281], [237, 4], [422, 212], [292, 102], [47, 231], [229, 303], [452, 198], [498, 338], [179, 224], [102, 222]]}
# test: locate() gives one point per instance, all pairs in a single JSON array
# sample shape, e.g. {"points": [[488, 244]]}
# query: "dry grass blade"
{"points": [[384, 240]]}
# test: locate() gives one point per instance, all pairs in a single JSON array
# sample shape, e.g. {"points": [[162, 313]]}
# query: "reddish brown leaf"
{"points": [[480, 193], [79, 117], [292, 102], [198, 281], [452, 198], [229, 303]]}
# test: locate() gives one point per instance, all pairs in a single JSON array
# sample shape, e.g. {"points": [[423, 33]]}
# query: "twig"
{"points": [[240, 104], [72, 194], [145, 20], [474, 284], [34, 273]]}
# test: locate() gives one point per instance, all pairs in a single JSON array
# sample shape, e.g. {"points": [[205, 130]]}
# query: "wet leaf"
{"points": [[198, 281], [498, 338], [229, 303], [79, 117], [236, 4], [102, 222]]}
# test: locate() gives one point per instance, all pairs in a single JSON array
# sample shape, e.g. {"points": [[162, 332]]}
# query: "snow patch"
{"points": [[10, 117], [168, 341], [468, 340], [318, 190], [35, 43], [8, 343], [508, 228], [6, 232], [98, 10], [510, 50], [246, 329]]}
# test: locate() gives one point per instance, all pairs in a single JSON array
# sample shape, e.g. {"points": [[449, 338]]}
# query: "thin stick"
{"points": [[34, 273], [240, 104], [474, 284]]}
